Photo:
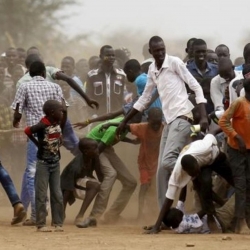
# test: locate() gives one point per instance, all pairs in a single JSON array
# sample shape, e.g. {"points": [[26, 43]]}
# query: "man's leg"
{"points": [[238, 163], [102, 197], [19, 210], [24, 192], [128, 185], [174, 138], [70, 140], [56, 197], [30, 178]]}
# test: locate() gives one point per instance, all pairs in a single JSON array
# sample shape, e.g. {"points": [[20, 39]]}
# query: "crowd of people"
{"points": [[189, 117]]}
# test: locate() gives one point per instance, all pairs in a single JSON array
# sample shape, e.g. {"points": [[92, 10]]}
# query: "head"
{"points": [[88, 147], [145, 66], [246, 53], [32, 58], [53, 110], [37, 69], [155, 118], [107, 55], [226, 69], [11, 57], [239, 61], [94, 62], [246, 85], [199, 50], [173, 218], [157, 49], [33, 50], [21, 56], [121, 56], [212, 57], [82, 68], [17, 73], [68, 65], [132, 69], [222, 51], [189, 48], [190, 165]]}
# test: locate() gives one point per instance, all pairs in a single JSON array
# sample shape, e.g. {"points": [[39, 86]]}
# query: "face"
{"points": [[222, 52], [189, 49], [130, 75], [155, 123], [82, 69], [17, 74], [227, 73], [11, 57], [21, 58], [58, 113], [158, 51], [108, 57], [91, 150], [212, 58], [200, 52], [67, 67]]}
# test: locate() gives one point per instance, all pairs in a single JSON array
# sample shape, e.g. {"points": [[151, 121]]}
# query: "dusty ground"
{"points": [[119, 237]]}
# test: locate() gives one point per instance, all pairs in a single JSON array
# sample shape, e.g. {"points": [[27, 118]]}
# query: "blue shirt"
{"points": [[211, 70], [239, 68], [140, 83]]}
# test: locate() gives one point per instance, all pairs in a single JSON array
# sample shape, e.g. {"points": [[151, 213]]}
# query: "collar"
{"points": [[46, 121], [38, 78], [100, 70], [164, 65], [192, 65]]}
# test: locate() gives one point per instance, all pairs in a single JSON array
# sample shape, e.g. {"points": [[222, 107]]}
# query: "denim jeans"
{"points": [[48, 174], [174, 138], [8, 186], [70, 142], [240, 165]]}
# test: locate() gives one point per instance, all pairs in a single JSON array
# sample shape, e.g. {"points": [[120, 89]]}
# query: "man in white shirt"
{"points": [[169, 74], [196, 162]]}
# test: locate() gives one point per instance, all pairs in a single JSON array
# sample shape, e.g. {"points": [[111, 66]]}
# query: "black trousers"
{"points": [[203, 183]]}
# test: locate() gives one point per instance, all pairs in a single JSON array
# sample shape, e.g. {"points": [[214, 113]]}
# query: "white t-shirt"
{"points": [[205, 151]]}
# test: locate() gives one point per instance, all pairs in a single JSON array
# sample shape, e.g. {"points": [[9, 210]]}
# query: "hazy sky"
{"points": [[219, 21]]}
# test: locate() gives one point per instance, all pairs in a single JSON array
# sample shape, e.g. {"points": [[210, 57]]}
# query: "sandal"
{"points": [[44, 230]]}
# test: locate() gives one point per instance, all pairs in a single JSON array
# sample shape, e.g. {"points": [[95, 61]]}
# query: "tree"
{"points": [[29, 22]]}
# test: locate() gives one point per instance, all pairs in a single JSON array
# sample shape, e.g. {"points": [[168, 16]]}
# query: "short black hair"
{"points": [[225, 62], [71, 59], [50, 105], [246, 85], [132, 64], [187, 161], [105, 47], [32, 58], [173, 218], [191, 40], [154, 39], [37, 68], [85, 142], [154, 112], [222, 45], [198, 42]]}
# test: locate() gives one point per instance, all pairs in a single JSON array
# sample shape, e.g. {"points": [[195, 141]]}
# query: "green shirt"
{"points": [[108, 136], [50, 76]]}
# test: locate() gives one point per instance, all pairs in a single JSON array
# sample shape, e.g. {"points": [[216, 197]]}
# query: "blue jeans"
{"points": [[8, 186], [70, 142], [48, 174]]}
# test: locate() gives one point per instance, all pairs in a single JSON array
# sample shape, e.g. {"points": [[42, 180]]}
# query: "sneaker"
{"points": [[89, 222], [19, 214]]}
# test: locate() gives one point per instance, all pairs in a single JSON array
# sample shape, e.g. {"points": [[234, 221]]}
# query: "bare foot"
{"points": [[241, 227]]}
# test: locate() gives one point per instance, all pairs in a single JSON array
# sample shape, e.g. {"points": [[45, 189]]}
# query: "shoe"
{"points": [[44, 230], [58, 229], [89, 222], [19, 214], [29, 222]]}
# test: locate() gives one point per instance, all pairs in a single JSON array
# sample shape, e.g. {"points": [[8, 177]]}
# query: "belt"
{"points": [[186, 119]]}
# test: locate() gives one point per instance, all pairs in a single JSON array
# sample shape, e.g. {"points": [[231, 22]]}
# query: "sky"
{"points": [[215, 21]]}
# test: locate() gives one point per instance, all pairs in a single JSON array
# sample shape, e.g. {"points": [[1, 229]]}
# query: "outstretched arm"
{"points": [[61, 76]]}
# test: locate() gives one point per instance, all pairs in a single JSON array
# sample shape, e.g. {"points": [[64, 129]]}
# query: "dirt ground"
{"points": [[116, 237]]}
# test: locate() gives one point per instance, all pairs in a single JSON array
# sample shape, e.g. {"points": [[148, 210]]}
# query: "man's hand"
{"points": [[120, 129], [241, 143], [204, 124], [16, 123], [151, 230], [81, 125], [104, 127], [93, 104]]}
